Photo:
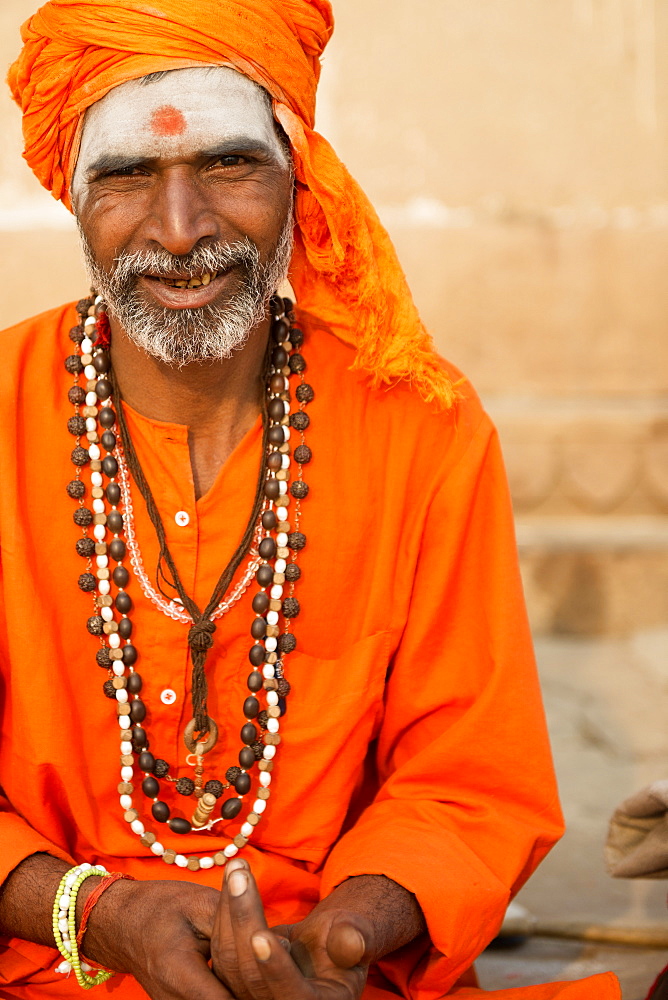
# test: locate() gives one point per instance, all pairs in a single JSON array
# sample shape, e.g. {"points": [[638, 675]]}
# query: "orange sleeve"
{"points": [[18, 840], [467, 805]]}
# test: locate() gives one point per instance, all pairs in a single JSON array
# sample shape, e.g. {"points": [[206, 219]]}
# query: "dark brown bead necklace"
{"points": [[103, 444]]}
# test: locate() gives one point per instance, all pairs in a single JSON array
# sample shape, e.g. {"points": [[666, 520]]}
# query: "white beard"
{"points": [[210, 333]]}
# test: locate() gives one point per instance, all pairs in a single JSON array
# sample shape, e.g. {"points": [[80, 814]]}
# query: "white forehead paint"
{"points": [[187, 111]]}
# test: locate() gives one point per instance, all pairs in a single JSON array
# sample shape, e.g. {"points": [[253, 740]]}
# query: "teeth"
{"points": [[205, 279]]}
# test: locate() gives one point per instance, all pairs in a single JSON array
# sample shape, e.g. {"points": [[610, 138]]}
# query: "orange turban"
{"points": [[344, 271]]}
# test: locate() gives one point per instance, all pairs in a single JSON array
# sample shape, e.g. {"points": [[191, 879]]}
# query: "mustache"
{"points": [[211, 257]]}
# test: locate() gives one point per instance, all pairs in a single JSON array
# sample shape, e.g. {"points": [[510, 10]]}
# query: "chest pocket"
{"points": [[333, 712]]}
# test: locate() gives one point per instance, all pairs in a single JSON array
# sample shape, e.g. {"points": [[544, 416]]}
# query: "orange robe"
{"points": [[414, 743]]}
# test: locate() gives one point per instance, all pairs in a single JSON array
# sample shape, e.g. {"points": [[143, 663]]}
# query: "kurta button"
{"points": [[168, 697], [182, 518]]}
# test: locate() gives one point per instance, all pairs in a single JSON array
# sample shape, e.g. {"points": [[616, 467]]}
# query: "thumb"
{"points": [[346, 945]]}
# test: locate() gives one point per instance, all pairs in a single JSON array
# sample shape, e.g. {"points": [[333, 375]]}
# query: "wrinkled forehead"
{"points": [[180, 112]]}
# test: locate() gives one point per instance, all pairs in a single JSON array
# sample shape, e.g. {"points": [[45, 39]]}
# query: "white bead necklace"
{"points": [[121, 665]]}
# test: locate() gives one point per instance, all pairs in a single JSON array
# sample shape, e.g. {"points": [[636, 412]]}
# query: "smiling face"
{"points": [[183, 193]]}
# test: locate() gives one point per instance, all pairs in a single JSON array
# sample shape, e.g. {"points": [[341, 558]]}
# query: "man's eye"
{"points": [[122, 172], [230, 161]]}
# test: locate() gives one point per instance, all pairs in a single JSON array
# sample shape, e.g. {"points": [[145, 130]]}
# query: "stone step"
{"points": [[585, 456], [594, 575]]}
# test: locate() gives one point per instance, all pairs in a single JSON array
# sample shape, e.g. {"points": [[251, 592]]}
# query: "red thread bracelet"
{"points": [[93, 899]]}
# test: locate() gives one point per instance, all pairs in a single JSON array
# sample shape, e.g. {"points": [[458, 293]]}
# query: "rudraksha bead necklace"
{"points": [[108, 536]]}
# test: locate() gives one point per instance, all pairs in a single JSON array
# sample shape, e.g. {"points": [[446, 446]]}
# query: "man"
{"points": [[379, 784]]}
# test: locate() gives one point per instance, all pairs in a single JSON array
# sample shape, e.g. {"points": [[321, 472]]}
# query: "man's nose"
{"points": [[181, 214]]}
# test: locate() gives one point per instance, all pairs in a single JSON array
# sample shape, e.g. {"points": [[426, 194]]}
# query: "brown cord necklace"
{"points": [[98, 410]]}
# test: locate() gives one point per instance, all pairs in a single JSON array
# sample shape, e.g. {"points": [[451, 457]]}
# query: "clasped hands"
{"points": [[183, 941], [324, 956]]}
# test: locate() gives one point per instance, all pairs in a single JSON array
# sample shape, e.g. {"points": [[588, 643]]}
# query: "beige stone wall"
{"points": [[39, 253], [518, 154]]}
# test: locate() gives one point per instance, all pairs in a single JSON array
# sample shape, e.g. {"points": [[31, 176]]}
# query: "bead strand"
{"points": [[300, 420], [64, 926], [117, 653]]}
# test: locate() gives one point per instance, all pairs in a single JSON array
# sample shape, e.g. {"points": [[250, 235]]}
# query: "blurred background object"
{"points": [[518, 154]]}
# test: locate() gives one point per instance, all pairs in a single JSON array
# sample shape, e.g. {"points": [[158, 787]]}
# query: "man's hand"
{"points": [[323, 957], [159, 932]]}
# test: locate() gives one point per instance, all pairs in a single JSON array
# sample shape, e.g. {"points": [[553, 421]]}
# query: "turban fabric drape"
{"points": [[345, 271]]}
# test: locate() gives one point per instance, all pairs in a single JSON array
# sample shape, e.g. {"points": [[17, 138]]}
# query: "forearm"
{"points": [[27, 897], [157, 931], [393, 911]]}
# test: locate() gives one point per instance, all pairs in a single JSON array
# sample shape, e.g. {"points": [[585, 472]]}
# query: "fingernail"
{"points": [[261, 948], [237, 883]]}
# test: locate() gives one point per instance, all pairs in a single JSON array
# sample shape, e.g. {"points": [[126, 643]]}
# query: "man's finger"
{"points": [[223, 947], [281, 976], [345, 945], [246, 916]]}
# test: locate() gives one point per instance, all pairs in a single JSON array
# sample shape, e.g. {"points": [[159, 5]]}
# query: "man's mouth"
{"points": [[196, 281]]}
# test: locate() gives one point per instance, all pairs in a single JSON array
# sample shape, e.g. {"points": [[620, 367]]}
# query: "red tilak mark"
{"points": [[168, 121]]}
